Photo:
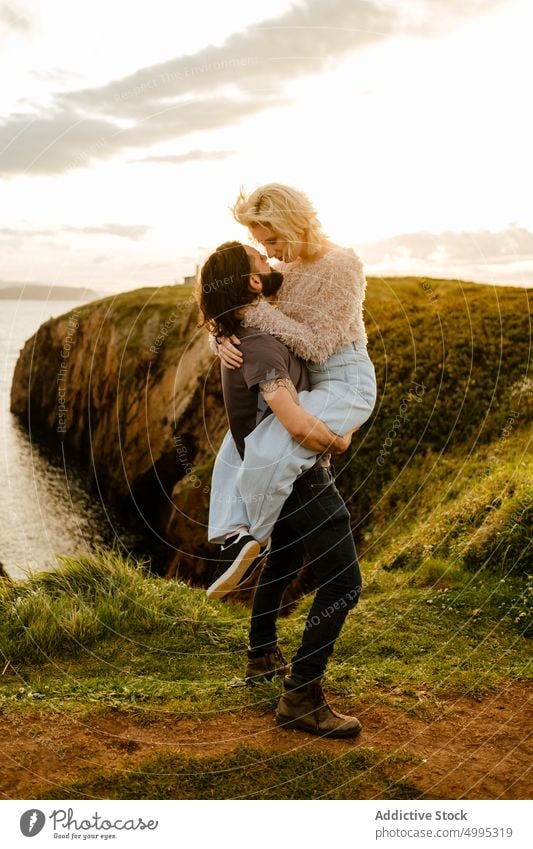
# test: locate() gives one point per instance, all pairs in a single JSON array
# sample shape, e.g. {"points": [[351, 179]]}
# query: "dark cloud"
{"points": [[122, 231], [189, 156], [476, 246], [191, 93]]}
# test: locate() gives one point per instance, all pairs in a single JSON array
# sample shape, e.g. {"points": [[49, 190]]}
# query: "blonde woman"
{"points": [[318, 315]]}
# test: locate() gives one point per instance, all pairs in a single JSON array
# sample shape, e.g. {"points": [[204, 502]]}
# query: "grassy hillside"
{"points": [[99, 639], [453, 367], [440, 487]]}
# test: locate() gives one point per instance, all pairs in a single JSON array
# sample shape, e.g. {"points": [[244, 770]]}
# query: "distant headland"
{"points": [[40, 292]]}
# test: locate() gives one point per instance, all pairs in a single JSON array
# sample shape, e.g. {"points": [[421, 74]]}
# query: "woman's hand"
{"points": [[228, 353]]}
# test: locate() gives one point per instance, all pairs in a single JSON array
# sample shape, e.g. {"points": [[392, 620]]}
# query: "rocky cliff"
{"points": [[128, 384]]}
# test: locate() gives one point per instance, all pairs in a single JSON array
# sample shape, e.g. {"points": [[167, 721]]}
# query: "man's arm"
{"points": [[282, 398]]}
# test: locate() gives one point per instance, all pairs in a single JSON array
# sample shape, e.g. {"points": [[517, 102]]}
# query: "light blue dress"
{"points": [[251, 492]]}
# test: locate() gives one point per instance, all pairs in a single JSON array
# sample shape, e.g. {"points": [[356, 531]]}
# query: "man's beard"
{"points": [[271, 282]]}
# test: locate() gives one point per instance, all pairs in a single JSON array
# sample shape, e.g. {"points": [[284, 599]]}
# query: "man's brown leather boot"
{"points": [[264, 667], [304, 706]]}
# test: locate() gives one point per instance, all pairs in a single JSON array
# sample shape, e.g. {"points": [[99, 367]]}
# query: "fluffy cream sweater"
{"points": [[319, 305]]}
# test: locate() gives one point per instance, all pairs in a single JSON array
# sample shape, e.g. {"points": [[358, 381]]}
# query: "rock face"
{"points": [[128, 384]]}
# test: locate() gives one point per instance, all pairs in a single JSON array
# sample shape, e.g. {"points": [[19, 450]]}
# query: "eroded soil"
{"points": [[476, 749]]}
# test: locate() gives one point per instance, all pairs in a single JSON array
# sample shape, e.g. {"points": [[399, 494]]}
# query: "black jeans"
{"points": [[314, 521]]}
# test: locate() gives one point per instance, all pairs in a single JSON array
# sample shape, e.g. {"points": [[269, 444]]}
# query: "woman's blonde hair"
{"points": [[286, 211]]}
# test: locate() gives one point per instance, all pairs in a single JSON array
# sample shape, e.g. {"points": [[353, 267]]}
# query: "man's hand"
{"points": [[228, 353], [312, 433], [342, 443]]}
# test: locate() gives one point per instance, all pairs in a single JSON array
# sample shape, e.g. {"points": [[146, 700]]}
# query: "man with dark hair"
{"points": [[314, 520], [232, 278]]}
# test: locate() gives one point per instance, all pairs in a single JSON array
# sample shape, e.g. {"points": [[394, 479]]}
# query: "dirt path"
{"points": [[478, 749]]}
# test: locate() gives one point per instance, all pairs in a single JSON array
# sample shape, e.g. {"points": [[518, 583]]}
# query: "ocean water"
{"points": [[46, 505]]}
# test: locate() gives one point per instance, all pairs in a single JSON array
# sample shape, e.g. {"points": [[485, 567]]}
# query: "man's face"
{"points": [[270, 281], [258, 262]]}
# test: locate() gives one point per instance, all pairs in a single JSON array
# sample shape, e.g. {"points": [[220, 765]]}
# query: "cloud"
{"points": [[476, 246], [189, 156], [122, 231], [14, 18], [64, 140], [212, 88], [13, 233], [54, 75]]}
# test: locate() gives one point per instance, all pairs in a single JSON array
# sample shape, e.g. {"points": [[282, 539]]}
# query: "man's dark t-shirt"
{"points": [[265, 358]]}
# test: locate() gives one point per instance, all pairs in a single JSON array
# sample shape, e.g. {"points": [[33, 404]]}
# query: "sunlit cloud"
{"points": [[244, 75], [13, 17], [504, 256], [377, 109], [513, 243], [189, 156], [122, 231]]}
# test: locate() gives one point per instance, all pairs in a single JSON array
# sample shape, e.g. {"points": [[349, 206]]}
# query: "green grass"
{"points": [[468, 347], [446, 609], [247, 773], [99, 633], [474, 511], [98, 598]]}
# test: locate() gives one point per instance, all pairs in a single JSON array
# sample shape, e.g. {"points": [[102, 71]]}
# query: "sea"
{"points": [[47, 507]]}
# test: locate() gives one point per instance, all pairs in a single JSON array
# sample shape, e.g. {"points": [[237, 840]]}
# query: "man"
{"points": [[314, 519]]}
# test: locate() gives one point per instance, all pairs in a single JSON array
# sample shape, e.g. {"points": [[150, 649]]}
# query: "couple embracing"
{"points": [[297, 382]]}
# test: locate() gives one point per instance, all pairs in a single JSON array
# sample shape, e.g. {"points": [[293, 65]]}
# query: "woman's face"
{"points": [[274, 245]]}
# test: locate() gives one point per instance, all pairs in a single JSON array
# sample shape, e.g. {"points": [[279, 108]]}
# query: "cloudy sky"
{"points": [[127, 128]]}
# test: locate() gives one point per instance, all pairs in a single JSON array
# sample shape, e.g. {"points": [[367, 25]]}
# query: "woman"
{"points": [[319, 316]]}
